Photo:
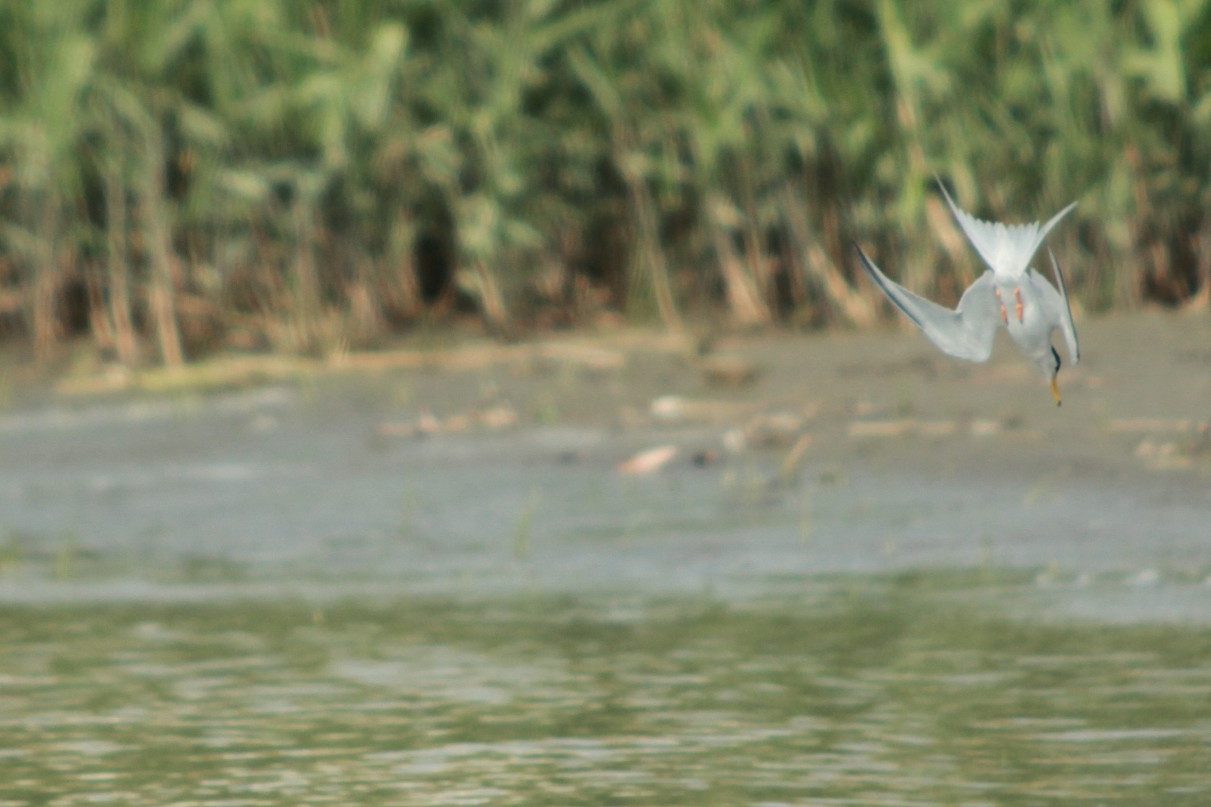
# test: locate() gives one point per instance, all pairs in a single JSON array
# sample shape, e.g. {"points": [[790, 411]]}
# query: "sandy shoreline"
{"points": [[1137, 406], [490, 465]]}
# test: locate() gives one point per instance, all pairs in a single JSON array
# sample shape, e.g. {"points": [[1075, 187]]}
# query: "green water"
{"points": [[848, 690]]}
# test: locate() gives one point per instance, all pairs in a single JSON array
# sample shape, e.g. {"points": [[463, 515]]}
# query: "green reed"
{"points": [[310, 176]]}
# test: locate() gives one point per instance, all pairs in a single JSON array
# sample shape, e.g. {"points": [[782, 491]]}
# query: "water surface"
{"points": [[256, 599], [855, 690]]}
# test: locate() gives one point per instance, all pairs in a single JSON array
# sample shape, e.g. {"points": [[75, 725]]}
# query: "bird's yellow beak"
{"points": [[1055, 390]]}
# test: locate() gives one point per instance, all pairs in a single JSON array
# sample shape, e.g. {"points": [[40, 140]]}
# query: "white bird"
{"points": [[1011, 294]]}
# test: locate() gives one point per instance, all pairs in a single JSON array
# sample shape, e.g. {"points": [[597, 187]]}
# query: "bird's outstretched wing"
{"points": [[965, 333], [1057, 308], [1006, 248]]}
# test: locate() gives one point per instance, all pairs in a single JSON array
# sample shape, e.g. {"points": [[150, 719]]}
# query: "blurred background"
{"points": [[526, 556], [308, 177]]}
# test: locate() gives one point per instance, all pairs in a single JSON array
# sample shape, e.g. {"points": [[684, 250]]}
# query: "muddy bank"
{"points": [[482, 468]]}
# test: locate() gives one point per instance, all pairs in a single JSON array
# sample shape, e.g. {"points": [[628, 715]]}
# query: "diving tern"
{"points": [[1010, 294]]}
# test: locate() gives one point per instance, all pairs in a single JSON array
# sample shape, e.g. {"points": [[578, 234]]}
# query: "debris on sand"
{"points": [[1161, 455], [907, 427], [793, 461], [491, 418], [727, 371], [679, 409], [648, 461]]}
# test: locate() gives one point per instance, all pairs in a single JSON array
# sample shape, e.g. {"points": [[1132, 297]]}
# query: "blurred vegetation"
{"points": [[306, 176]]}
